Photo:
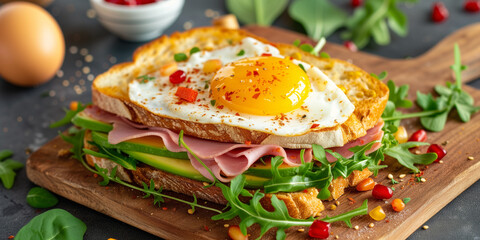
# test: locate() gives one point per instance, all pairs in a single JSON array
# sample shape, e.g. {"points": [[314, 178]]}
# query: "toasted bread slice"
{"points": [[110, 91]]}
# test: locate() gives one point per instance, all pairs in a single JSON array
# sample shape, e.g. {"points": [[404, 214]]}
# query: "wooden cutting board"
{"points": [[69, 179]]}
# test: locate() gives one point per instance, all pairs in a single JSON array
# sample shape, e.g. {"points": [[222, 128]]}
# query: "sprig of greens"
{"points": [[113, 154], [7, 168], [373, 20], [69, 114], [261, 12], [320, 18], [347, 217], [157, 198], [314, 50], [407, 159], [436, 110]]}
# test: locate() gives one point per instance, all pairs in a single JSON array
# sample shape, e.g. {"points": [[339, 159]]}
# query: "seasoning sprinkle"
{"points": [[226, 225], [423, 179], [190, 211], [390, 176], [356, 227], [371, 225], [425, 227], [402, 175], [301, 230], [470, 158]]}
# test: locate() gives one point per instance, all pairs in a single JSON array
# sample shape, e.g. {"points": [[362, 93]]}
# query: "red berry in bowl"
{"points": [[356, 3], [382, 192], [439, 150], [418, 136], [440, 12], [319, 229], [351, 46], [177, 77], [472, 6]]}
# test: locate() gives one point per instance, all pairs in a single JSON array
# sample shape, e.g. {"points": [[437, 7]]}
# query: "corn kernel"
{"points": [[212, 65], [168, 69], [401, 135], [377, 214]]}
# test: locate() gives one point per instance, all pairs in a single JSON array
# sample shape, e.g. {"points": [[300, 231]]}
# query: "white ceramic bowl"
{"points": [[137, 23]]}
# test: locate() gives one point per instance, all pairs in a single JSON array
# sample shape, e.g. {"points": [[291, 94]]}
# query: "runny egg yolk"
{"points": [[260, 86]]}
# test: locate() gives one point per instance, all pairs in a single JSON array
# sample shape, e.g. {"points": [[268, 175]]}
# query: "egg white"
{"points": [[325, 106]]}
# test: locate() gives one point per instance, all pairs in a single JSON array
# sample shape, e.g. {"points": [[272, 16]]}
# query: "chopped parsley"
{"points": [[194, 50], [179, 57], [241, 53]]}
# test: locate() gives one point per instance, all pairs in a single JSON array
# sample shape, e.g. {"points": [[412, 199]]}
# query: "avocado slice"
{"points": [[83, 120], [264, 169], [184, 168], [150, 145]]}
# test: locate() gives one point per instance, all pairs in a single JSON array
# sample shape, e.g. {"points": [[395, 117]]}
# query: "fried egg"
{"points": [[254, 87]]}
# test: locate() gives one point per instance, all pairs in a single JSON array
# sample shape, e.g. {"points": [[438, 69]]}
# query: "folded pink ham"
{"points": [[225, 160]]}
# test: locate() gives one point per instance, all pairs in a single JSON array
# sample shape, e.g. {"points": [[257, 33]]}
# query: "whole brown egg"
{"points": [[32, 46]]}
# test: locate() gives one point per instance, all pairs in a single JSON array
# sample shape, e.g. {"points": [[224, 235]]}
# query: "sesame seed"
{"points": [[356, 227], [337, 237], [402, 175], [423, 179], [301, 230], [425, 227], [390, 176], [470, 158], [226, 225], [371, 225], [441, 161], [417, 152]]}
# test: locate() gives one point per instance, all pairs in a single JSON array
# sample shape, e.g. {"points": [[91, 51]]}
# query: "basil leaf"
{"points": [[55, 224], [261, 12], [39, 197], [408, 159], [320, 18]]}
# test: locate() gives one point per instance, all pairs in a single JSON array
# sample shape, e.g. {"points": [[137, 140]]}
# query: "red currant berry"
{"points": [[440, 12], [351, 46], [472, 6], [177, 77], [439, 150], [319, 229], [356, 3], [418, 136], [382, 192]]}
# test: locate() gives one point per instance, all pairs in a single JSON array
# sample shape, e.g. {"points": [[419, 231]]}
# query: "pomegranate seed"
{"points": [[319, 229], [439, 150], [177, 77], [440, 12], [472, 6], [356, 3], [418, 136], [382, 192], [351, 46]]}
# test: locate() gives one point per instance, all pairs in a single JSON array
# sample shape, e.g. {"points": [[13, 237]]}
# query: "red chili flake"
{"points": [[228, 95], [11, 237], [352, 201], [107, 188], [439, 12], [95, 175], [257, 89], [134, 197], [305, 190], [164, 208], [255, 96], [266, 54], [220, 107], [387, 221], [315, 125], [255, 73], [249, 73], [277, 149], [205, 228], [248, 142]]}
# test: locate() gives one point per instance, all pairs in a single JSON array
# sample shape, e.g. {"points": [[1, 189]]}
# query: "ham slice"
{"points": [[225, 160]]}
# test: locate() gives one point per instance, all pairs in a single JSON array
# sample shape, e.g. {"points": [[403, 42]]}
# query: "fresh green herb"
{"points": [[418, 179], [241, 53], [206, 86], [114, 155], [76, 139], [53, 224], [302, 67], [7, 168], [435, 111], [393, 189], [311, 49], [320, 18], [296, 43], [145, 78], [179, 57], [324, 55], [406, 200], [407, 159], [347, 217], [39, 197], [194, 50], [380, 76], [260, 12], [373, 20], [157, 198], [394, 181], [213, 102], [69, 114]]}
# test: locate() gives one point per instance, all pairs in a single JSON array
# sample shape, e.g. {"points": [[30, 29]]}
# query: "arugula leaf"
{"points": [[157, 198], [398, 95], [53, 224], [76, 139], [253, 212], [69, 114], [408, 159], [261, 12], [370, 21], [320, 18], [380, 76], [7, 168], [347, 217], [39, 197]]}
